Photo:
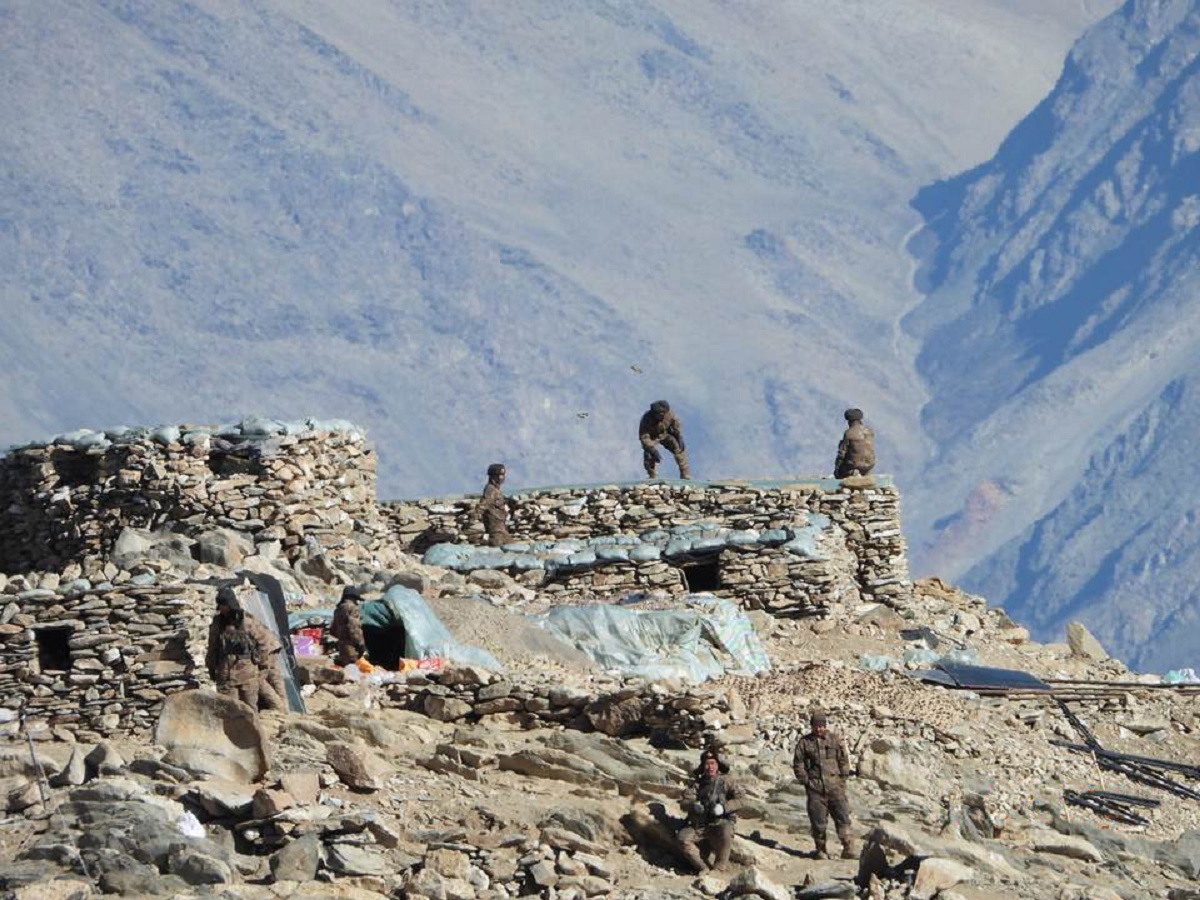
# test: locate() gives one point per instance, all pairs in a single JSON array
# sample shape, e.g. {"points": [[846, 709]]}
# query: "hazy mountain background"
{"points": [[1059, 343], [466, 224]]}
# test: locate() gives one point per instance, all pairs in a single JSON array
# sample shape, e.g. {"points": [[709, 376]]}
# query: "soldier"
{"points": [[856, 452], [234, 651], [710, 821], [347, 629], [661, 426], [821, 763], [271, 692], [492, 508]]}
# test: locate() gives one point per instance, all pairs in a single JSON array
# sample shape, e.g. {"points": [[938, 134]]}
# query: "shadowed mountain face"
{"points": [[1059, 339], [466, 225]]}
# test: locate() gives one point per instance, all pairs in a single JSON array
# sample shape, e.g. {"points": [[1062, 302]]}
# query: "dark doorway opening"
{"points": [[225, 464], [385, 646], [75, 468], [54, 649], [702, 575]]}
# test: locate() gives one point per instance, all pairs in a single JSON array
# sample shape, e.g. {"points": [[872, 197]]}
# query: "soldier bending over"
{"points": [[661, 426]]}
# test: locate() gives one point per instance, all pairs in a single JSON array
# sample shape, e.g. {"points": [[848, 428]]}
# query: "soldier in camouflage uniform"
{"points": [[347, 629], [492, 509], [234, 650], [822, 764], [710, 821], [271, 692], [856, 451], [661, 426]]}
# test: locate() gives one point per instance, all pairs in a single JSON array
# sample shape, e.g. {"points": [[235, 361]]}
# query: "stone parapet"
{"points": [[862, 551], [280, 484]]}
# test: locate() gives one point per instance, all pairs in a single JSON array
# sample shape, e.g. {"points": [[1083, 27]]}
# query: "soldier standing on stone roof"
{"points": [[710, 820], [492, 509], [821, 763], [661, 426], [856, 451], [347, 629], [234, 650]]}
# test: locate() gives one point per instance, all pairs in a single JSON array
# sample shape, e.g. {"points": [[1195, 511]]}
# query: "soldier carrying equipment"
{"points": [[710, 821], [822, 764], [492, 509], [661, 426], [856, 451], [236, 650], [347, 629]]}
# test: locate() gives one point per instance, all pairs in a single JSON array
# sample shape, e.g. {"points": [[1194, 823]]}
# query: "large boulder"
{"points": [[357, 767], [211, 734], [1083, 644]]}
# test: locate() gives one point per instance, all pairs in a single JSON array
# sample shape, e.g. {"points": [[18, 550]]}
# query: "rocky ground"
{"points": [[517, 790]]}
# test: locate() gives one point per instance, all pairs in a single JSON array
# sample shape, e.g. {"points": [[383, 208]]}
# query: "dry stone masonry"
{"points": [[279, 483], [787, 547]]}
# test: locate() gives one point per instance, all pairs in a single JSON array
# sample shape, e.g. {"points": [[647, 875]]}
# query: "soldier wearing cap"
{"points": [[661, 426], [821, 763], [710, 820], [236, 651], [492, 509], [856, 451], [347, 628]]}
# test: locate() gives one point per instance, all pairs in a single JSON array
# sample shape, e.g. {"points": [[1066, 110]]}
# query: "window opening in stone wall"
{"points": [[225, 464], [703, 575], [74, 469], [54, 649]]}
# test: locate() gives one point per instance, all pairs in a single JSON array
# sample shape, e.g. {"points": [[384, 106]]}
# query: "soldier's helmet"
{"points": [[226, 597], [659, 407], [495, 469], [350, 592], [853, 415]]}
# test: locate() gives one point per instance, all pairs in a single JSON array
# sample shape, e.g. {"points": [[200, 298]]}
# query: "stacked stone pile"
{"points": [[865, 509], [682, 716], [281, 484], [97, 658]]}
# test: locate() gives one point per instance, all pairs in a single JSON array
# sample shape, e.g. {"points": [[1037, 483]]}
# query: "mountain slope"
{"points": [[1059, 339], [463, 224]]}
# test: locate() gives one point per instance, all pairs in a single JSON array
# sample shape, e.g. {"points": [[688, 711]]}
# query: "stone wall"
{"points": [[98, 659], [864, 514], [280, 484]]}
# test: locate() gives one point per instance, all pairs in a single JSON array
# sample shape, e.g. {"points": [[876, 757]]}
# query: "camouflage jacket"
{"points": [[234, 654], [856, 450], [710, 800], [491, 507], [653, 428], [821, 763], [347, 624]]}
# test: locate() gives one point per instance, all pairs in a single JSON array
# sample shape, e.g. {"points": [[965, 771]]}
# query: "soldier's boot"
{"points": [[849, 851], [651, 472], [685, 470], [819, 844]]}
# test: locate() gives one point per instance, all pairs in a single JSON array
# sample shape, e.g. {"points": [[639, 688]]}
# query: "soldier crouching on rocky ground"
{"points": [[710, 815], [856, 450], [347, 629], [235, 652], [822, 765], [492, 509], [661, 426]]}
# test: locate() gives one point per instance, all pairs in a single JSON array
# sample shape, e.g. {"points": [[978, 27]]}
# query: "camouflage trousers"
{"points": [[825, 804], [246, 691], [716, 838], [672, 446], [271, 692], [348, 652], [497, 530]]}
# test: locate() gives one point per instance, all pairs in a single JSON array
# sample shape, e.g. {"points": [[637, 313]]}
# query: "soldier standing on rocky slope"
{"points": [[492, 509], [234, 650], [347, 629], [856, 452], [710, 821], [661, 426], [821, 763]]}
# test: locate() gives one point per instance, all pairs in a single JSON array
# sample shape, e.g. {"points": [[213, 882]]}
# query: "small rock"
{"points": [[937, 874], [357, 767], [297, 861], [755, 883], [1083, 644]]}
